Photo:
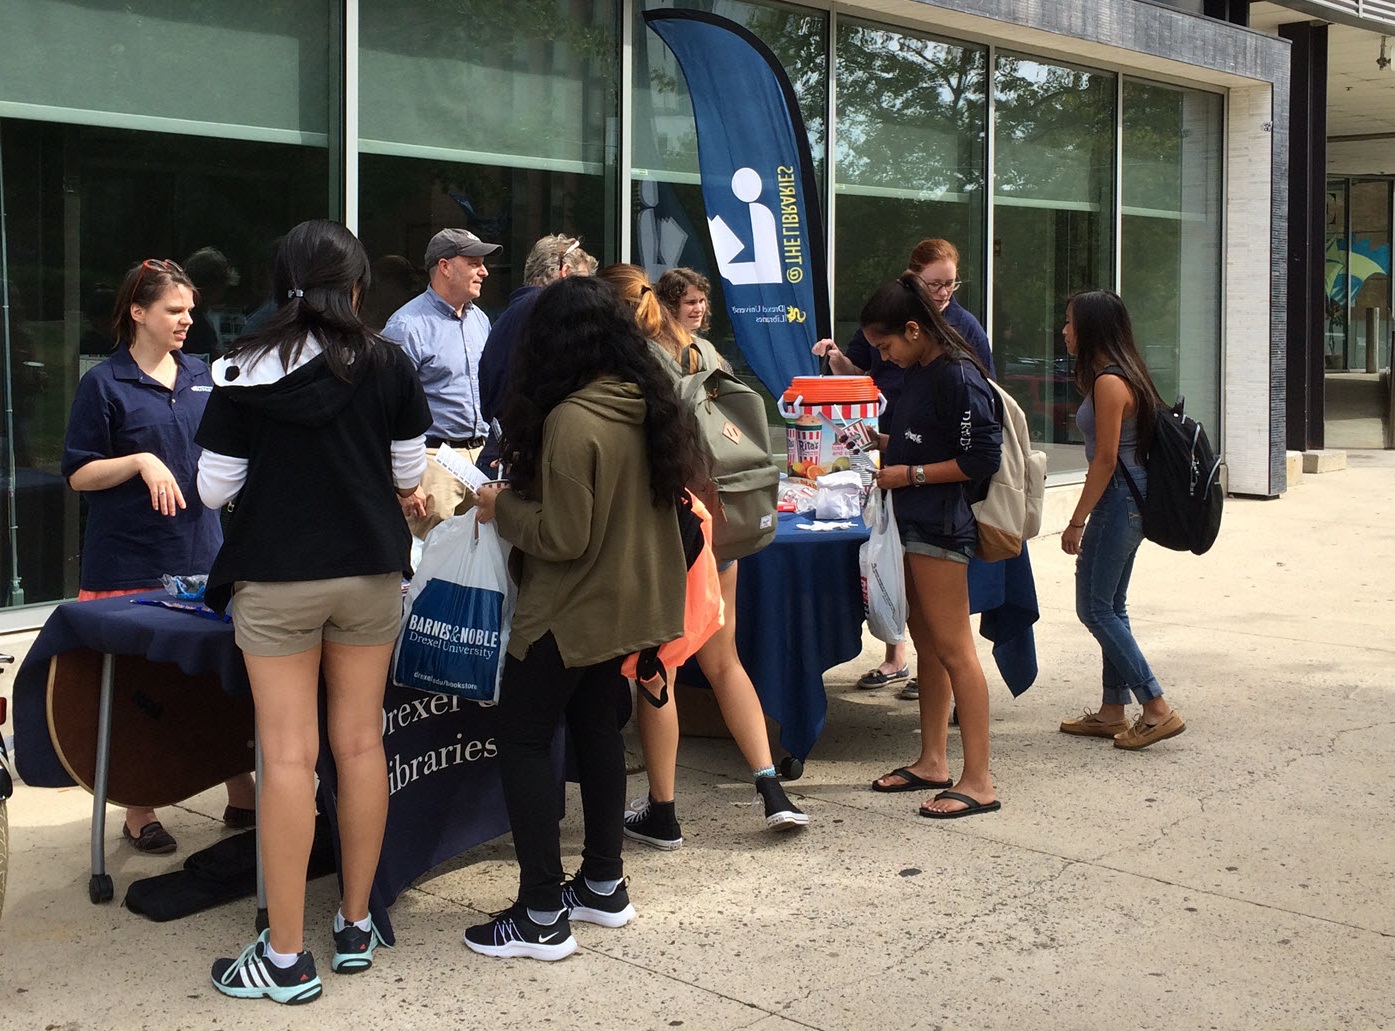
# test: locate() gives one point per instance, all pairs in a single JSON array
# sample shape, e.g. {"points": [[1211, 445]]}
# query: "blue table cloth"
{"points": [[799, 613], [445, 794]]}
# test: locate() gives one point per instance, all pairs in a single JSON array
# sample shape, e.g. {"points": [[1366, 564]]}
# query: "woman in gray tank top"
{"points": [[1106, 528]]}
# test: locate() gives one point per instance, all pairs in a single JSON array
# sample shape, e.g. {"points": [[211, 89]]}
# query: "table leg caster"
{"points": [[791, 768], [263, 922], [99, 888]]}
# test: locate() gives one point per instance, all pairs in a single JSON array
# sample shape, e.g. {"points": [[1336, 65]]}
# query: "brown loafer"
{"points": [[153, 839], [1090, 725], [239, 819], [1142, 733]]}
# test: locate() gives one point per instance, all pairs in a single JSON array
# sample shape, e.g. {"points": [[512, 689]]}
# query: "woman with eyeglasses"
{"points": [[936, 262], [130, 450], [653, 820], [1105, 529], [316, 428], [942, 439]]}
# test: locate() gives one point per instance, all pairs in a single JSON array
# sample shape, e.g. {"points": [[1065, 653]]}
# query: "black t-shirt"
{"points": [[946, 411]]}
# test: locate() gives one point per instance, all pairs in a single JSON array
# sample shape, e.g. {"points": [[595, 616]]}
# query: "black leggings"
{"points": [[536, 692]]}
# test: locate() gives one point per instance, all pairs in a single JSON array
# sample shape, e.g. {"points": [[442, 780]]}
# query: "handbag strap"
{"points": [[648, 668], [1133, 487]]}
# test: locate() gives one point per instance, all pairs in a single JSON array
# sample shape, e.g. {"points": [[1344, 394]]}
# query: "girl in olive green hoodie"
{"points": [[598, 451]]}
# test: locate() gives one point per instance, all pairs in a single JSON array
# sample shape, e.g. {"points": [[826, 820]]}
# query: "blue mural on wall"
{"points": [[1346, 272]]}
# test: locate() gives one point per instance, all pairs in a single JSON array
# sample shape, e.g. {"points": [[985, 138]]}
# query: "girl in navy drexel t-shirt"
{"points": [[943, 439]]}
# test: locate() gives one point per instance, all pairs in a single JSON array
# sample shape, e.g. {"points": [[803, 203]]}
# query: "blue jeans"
{"points": [[1102, 573]]}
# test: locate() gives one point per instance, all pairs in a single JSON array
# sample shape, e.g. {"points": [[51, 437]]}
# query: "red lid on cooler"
{"points": [[824, 390]]}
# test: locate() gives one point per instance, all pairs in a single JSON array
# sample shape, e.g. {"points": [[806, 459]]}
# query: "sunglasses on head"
{"points": [[164, 265]]}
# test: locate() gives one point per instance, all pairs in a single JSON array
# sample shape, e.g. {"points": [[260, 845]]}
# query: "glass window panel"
{"points": [[1053, 211], [503, 126], [665, 137], [461, 80], [1368, 272], [244, 68], [1337, 288], [670, 223], [83, 203], [911, 118], [1170, 274], [404, 201]]}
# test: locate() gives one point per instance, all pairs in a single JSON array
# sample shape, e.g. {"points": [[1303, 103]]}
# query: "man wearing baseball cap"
{"points": [[443, 331]]}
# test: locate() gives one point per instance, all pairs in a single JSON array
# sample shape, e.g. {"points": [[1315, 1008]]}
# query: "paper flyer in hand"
{"points": [[460, 467]]}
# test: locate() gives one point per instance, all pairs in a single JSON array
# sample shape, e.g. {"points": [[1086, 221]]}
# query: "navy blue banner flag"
{"points": [[759, 190]]}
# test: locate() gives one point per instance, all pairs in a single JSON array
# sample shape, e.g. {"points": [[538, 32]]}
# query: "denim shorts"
{"points": [[916, 542]]}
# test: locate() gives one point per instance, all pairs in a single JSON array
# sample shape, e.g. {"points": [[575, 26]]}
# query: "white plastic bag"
{"points": [[839, 496], [455, 622], [883, 570]]}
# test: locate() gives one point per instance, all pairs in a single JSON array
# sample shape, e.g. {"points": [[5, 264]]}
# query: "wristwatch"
{"points": [[918, 475]]}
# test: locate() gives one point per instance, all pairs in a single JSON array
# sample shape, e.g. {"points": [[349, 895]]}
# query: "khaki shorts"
{"points": [[276, 619]]}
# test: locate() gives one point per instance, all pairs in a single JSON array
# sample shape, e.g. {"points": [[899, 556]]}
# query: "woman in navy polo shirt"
{"points": [[130, 449], [943, 437]]}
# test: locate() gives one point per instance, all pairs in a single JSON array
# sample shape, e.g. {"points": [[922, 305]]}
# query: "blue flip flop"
{"points": [[974, 807]]}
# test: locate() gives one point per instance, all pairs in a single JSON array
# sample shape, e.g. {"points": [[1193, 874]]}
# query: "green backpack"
{"points": [[745, 479]]}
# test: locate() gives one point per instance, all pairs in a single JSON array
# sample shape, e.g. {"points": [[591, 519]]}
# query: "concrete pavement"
{"points": [[1238, 876]]}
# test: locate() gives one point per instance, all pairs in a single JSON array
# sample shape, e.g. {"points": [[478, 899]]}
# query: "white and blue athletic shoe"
{"points": [[353, 949], [253, 976]]}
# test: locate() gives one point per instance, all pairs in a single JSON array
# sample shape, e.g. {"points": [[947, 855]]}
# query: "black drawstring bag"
{"points": [[223, 872]]}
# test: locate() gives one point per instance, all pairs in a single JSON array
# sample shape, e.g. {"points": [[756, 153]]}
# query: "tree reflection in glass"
{"points": [[1053, 202], [910, 147]]}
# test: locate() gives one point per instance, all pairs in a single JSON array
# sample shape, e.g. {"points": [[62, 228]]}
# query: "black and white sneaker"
{"points": [[512, 933], [253, 976], [644, 822], [590, 906], [780, 813]]}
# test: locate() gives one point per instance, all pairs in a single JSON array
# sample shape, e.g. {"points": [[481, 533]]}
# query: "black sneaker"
{"points": [[353, 948], [512, 933], [253, 976], [643, 822], [585, 904], [780, 813]]}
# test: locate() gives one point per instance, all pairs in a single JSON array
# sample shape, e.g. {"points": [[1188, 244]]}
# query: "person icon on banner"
{"points": [[764, 266]]}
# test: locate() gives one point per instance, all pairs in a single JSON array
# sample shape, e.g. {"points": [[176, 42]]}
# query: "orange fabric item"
{"points": [[702, 612], [94, 595]]}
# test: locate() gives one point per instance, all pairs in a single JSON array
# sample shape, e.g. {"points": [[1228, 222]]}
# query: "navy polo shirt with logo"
{"points": [[119, 410]]}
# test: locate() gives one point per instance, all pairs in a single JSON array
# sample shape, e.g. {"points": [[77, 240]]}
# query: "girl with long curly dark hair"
{"points": [[598, 451], [1106, 529]]}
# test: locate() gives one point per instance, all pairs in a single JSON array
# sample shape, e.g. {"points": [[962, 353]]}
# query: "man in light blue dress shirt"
{"points": [[443, 331]]}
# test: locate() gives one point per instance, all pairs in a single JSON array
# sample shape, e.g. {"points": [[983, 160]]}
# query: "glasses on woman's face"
{"points": [[936, 286]]}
